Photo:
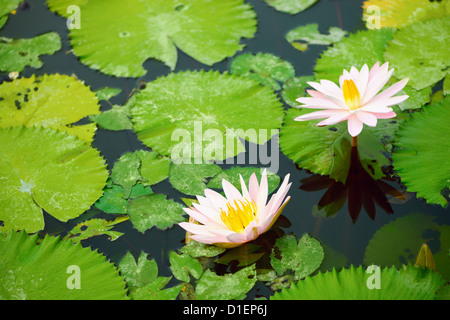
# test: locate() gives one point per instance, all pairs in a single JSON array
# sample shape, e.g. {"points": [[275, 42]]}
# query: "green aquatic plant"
{"points": [[310, 34], [155, 29], [16, 54], [422, 142], [32, 268], [291, 6], [53, 101], [44, 169]]}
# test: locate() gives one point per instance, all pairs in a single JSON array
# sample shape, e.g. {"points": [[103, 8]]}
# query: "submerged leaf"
{"points": [[207, 30], [55, 269], [183, 115], [16, 54], [310, 35], [46, 169], [421, 143], [53, 101], [291, 6]]}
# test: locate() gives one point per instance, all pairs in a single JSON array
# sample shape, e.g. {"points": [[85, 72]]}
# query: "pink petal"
{"points": [[328, 88], [212, 214], [367, 118], [362, 80], [253, 187], [355, 125], [376, 84], [336, 118], [386, 115], [196, 215], [316, 103], [318, 115], [263, 192], [392, 90], [194, 228], [374, 70], [244, 189], [231, 193]]}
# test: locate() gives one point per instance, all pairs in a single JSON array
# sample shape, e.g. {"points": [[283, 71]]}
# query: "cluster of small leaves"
{"points": [[310, 34]]}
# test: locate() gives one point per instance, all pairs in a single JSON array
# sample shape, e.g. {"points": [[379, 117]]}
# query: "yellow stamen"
{"points": [[239, 216], [351, 94]]}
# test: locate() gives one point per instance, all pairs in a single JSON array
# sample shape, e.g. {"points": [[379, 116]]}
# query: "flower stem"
{"points": [[354, 141]]}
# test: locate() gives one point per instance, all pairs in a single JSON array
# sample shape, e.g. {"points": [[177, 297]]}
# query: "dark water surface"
{"points": [[339, 232]]}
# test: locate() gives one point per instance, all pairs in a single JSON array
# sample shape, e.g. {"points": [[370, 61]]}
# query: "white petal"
{"points": [[367, 118], [355, 125], [231, 192], [338, 117], [318, 115], [253, 187], [389, 92]]}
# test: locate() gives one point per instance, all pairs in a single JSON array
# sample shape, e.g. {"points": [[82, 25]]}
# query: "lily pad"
{"points": [[208, 31], [154, 210], [143, 281], [16, 54], [52, 101], [6, 6], [291, 6], [401, 13], [408, 283], [183, 116], [362, 47], [265, 68], [191, 178], [55, 269], [303, 258], [230, 286], [295, 88], [422, 142], [415, 52], [183, 265], [310, 34], [46, 169]]}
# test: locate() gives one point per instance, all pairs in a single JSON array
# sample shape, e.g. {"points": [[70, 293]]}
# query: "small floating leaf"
{"points": [[190, 178], [16, 54], [310, 34], [154, 210], [265, 68]]}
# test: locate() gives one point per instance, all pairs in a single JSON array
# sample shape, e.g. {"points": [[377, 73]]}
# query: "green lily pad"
{"points": [[143, 281], [362, 47], [55, 269], [265, 68], [154, 210], [183, 115], [231, 286], [408, 283], [310, 34], [196, 250], [6, 6], [16, 54], [208, 31], [399, 242], [117, 118], [46, 169], [52, 101], [95, 227], [154, 167], [415, 52], [303, 258], [191, 178], [291, 6], [107, 93], [183, 265], [295, 88], [421, 143]]}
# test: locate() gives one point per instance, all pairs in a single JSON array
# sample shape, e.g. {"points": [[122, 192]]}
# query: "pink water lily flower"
{"points": [[238, 217], [356, 100]]}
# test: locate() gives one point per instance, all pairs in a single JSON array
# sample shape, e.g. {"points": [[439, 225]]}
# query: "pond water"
{"points": [[340, 232]]}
